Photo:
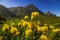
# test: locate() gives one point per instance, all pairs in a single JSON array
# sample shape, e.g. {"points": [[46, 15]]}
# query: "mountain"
{"points": [[19, 12], [48, 13], [27, 10], [5, 12], [31, 8], [15, 12]]}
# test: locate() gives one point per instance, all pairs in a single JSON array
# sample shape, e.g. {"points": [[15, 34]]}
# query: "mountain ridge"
{"points": [[6, 12], [15, 12]]}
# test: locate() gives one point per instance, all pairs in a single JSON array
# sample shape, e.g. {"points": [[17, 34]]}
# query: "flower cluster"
{"points": [[30, 30]]}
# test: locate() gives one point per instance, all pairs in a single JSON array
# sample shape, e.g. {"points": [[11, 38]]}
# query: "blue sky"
{"points": [[43, 5]]}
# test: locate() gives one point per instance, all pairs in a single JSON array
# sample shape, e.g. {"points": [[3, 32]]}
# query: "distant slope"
{"points": [[5, 12], [48, 13], [49, 19], [31, 8], [27, 10], [15, 12]]}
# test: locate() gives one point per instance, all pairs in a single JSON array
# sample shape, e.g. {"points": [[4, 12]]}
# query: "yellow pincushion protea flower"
{"points": [[44, 29], [34, 24], [27, 32], [17, 33], [26, 17], [24, 24], [56, 30], [35, 14], [13, 24], [39, 29], [43, 37], [13, 30], [19, 24], [32, 17], [1, 37], [29, 25], [52, 27], [5, 27], [22, 21]]}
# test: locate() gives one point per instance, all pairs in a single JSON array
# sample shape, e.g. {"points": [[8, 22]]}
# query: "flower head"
{"points": [[29, 25], [5, 27], [14, 30], [17, 33], [52, 27], [39, 29], [28, 31], [26, 17], [56, 30], [44, 29], [24, 24], [32, 17], [35, 14], [43, 37], [19, 24], [13, 24], [22, 21]]}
